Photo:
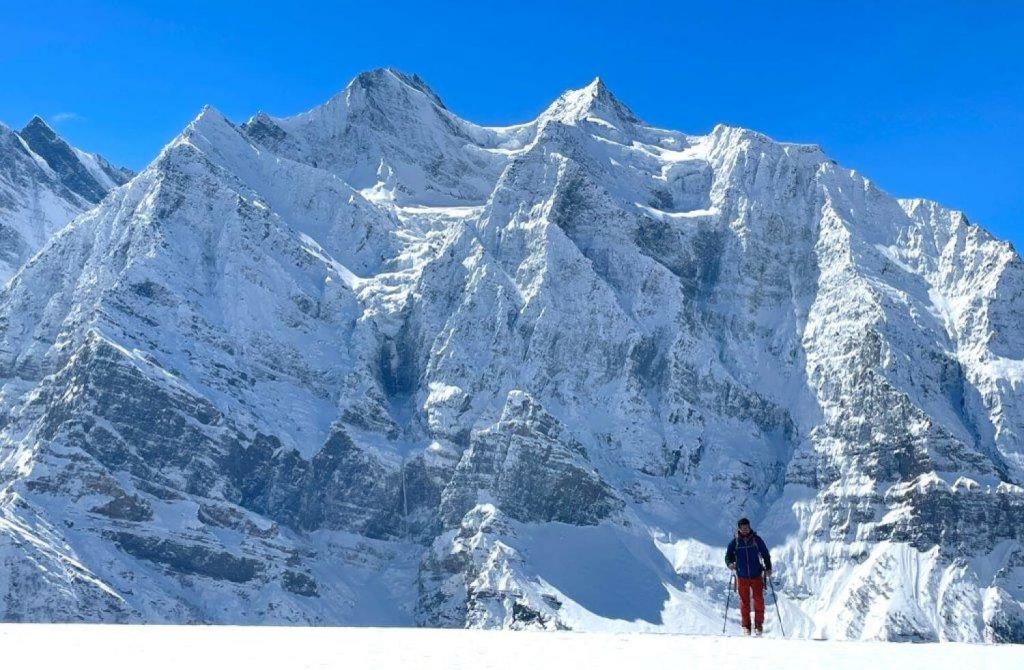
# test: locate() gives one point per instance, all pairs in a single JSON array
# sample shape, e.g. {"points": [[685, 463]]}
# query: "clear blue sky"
{"points": [[926, 98]]}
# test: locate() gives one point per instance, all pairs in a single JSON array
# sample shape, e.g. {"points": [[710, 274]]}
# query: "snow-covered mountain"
{"points": [[375, 364], [44, 183]]}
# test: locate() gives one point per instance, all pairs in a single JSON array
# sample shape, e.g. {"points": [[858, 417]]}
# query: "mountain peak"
{"points": [[208, 118], [37, 125], [593, 100], [598, 86], [207, 114], [391, 80], [84, 174]]}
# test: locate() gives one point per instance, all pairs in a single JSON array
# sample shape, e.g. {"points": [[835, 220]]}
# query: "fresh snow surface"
{"points": [[198, 647]]}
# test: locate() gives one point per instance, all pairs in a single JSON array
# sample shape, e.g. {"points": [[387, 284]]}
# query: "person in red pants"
{"points": [[744, 556]]}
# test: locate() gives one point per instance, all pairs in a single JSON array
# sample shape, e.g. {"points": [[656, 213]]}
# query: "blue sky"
{"points": [[926, 98]]}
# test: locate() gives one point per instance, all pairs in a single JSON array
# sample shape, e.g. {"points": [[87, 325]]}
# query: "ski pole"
{"points": [[728, 594], [775, 596]]}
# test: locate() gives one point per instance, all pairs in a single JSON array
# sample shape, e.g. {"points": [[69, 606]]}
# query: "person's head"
{"points": [[743, 526]]}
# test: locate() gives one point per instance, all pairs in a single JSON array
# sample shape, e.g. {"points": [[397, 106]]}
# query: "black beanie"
{"points": [[743, 522]]}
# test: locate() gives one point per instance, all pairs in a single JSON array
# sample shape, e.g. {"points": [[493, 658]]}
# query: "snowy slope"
{"points": [[377, 364], [44, 183], [160, 647]]}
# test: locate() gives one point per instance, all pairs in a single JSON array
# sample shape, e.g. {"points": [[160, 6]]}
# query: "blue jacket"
{"points": [[747, 553]]}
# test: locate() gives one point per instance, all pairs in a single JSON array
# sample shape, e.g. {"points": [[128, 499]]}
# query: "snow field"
{"points": [[280, 648]]}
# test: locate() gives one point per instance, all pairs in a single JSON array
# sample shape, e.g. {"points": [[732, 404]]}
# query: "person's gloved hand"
{"points": [[732, 566], [767, 573]]}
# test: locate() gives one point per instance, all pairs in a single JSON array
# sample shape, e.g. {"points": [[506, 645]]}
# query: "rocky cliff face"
{"points": [[374, 364]]}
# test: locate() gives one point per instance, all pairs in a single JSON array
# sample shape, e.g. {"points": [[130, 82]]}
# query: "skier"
{"points": [[744, 556]]}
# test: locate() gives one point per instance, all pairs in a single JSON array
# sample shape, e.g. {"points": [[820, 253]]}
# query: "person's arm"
{"points": [[730, 555], [765, 556]]}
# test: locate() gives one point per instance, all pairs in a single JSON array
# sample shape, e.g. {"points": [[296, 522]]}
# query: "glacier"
{"points": [[375, 364]]}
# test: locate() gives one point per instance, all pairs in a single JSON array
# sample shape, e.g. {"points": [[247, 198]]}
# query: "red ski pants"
{"points": [[747, 586]]}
